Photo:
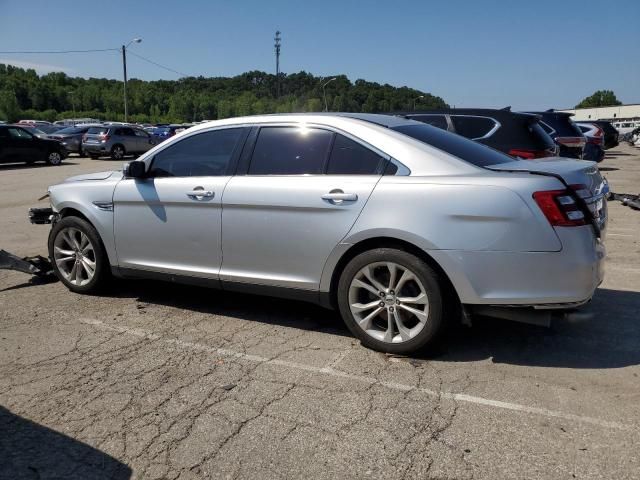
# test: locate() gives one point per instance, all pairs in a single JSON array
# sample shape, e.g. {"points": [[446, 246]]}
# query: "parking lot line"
{"points": [[330, 371]]}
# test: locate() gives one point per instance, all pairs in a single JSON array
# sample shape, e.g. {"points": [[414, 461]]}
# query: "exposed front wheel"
{"points": [[79, 259], [54, 158], [391, 300]]}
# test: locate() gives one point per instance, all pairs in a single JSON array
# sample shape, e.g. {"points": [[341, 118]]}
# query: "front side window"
{"points": [[201, 155], [20, 133], [472, 127], [141, 133], [290, 151], [350, 158]]}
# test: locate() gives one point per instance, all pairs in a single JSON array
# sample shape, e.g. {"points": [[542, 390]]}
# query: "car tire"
{"points": [[408, 319], [78, 256], [54, 158], [117, 152]]}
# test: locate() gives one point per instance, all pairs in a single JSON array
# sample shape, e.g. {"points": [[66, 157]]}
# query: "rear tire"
{"points": [[391, 301], [54, 158], [117, 152], [77, 255]]}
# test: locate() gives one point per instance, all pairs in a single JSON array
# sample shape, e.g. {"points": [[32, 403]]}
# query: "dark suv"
{"points": [[516, 134], [17, 144], [610, 133], [564, 132]]}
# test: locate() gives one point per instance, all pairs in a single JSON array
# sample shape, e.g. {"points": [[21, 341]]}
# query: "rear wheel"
{"points": [[117, 152], [54, 158], [391, 300], [79, 259]]}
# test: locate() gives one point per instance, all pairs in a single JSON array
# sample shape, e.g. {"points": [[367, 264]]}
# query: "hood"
{"points": [[95, 176]]}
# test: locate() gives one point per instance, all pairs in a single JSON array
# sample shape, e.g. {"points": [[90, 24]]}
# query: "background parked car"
{"points": [[116, 141], [17, 144], [611, 136], [39, 130], [71, 137], [516, 134], [564, 132], [162, 132], [594, 148]]}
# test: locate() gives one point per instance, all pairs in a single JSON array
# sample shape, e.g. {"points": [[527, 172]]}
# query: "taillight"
{"points": [[104, 138], [571, 141], [560, 207], [597, 137], [530, 154]]}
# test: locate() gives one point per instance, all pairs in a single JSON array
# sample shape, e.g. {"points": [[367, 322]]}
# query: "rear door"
{"points": [[128, 138], [22, 145], [297, 194], [143, 140]]}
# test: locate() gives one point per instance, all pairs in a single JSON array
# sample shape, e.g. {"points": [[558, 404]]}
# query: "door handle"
{"points": [[338, 196], [199, 194]]}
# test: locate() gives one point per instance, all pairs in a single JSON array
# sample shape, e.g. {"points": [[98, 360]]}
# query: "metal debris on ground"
{"points": [[628, 199], [38, 265]]}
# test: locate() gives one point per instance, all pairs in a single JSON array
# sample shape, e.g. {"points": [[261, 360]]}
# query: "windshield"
{"points": [[467, 150], [98, 130]]}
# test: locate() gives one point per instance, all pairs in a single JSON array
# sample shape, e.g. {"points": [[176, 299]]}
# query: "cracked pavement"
{"points": [[153, 380]]}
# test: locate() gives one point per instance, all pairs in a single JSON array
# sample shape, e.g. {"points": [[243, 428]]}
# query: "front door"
{"points": [[170, 221], [299, 197]]}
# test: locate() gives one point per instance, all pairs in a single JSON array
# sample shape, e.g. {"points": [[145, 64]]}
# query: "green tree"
{"points": [[9, 108], [601, 98]]}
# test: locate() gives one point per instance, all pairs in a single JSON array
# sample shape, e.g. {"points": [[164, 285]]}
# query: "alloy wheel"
{"points": [[118, 153], [54, 158], [389, 302], [75, 256]]}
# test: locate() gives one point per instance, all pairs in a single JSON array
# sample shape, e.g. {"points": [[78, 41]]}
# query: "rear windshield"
{"points": [[467, 150], [70, 130], [98, 130], [562, 124], [544, 138]]}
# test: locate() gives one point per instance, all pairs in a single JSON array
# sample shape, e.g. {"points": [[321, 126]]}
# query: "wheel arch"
{"points": [[449, 290]]}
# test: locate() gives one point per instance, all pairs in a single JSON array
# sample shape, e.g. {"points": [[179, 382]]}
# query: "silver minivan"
{"points": [[116, 141]]}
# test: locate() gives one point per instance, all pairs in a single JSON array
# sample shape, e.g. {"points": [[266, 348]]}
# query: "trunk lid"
{"points": [[580, 176]]}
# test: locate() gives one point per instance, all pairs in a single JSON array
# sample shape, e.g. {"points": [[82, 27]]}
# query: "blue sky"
{"points": [[528, 54]]}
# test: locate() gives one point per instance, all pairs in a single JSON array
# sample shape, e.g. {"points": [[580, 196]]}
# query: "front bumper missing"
{"points": [[42, 216]]}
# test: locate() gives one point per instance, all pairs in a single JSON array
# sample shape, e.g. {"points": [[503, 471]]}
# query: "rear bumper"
{"points": [[542, 280], [94, 147]]}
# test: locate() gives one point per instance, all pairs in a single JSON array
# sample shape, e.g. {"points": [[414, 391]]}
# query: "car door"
{"points": [[170, 220], [143, 141], [129, 139], [291, 203], [23, 146]]}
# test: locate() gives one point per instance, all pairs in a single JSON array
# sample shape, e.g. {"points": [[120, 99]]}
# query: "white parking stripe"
{"points": [[460, 397]]}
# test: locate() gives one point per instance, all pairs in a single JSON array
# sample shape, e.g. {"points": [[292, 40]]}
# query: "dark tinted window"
{"points": [[127, 132], [547, 128], [467, 150], [204, 154], [538, 132], [439, 121], [290, 151], [472, 127], [351, 158], [4, 133]]}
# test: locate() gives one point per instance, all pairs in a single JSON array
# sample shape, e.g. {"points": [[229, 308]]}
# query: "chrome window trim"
{"points": [[493, 130]]}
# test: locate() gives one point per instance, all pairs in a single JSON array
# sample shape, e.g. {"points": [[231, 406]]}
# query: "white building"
{"points": [[620, 112]]}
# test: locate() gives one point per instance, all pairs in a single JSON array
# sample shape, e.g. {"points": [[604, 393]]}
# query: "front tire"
{"points": [[392, 301], [54, 158], [77, 254]]}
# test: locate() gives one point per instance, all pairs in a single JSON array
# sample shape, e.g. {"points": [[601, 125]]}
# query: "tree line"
{"points": [[25, 94]]}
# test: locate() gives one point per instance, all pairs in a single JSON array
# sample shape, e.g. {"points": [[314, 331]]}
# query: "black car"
{"points": [[610, 133], [564, 132], [516, 134], [17, 144]]}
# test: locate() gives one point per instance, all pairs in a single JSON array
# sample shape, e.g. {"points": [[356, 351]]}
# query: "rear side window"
{"points": [[472, 127], [290, 151], [202, 155], [439, 121], [350, 158], [538, 132], [456, 145]]}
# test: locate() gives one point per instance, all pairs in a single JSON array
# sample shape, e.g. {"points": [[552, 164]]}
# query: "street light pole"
{"points": [[73, 104], [124, 71], [414, 101], [324, 93]]}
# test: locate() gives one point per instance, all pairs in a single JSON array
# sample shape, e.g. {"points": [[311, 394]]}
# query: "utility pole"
{"points": [[277, 48], [124, 68], [324, 93], [73, 103]]}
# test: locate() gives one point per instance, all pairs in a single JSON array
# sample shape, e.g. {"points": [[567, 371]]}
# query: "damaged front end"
{"points": [[38, 266]]}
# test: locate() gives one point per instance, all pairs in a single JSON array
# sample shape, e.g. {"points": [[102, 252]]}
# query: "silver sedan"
{"points": [[401, 227]]}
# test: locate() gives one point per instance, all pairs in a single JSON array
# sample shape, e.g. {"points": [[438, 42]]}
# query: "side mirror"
{"points": [[135, 169]]}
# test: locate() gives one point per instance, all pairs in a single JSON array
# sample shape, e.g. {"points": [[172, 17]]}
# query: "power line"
{"points": [[158, 65], [64, 51]]}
